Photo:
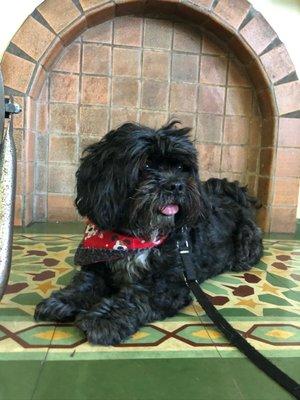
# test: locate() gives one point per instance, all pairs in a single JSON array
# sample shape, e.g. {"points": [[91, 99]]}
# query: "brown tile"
{"points": [[95, 90], [191, 12], [39, 208], [209, 46], [59, 15], [96, 59], [237, 75], [213, 70], [187, 120], [121, 115], [209, 156], [101, 33], [236, 130], [61, 208], [203, 3], [266, 161], [258, 33], [286, 192], [239, 101], [19, 143], [252, 159], [29, 145], [215, 26], [61, 179], [288, 97], [231, 177], [156, 64], [241, 50], [41, 145], [269, 132], [63, 118], [183, 97], [288, 162], [72, 31], [232, 11], [33, 32], [277, 63], [267, 103], [20, 178], [234, 159], [257, 75], [252, 184], [30, 113], [153, 119], [158, 33], [263, 217], [129, 7], [211, 99], [39, 77], [52, 54], [128, 31], [186, 38], [100, 14], [126, 62], [62, 148], [185, 67], [18, 210], [209, 128], [64, 87], [155, 95], [255, 131], [288, 134], [16, 71], [28, 210], [93, 121], [205, 175], [29, 177], [41, 178], [19, 118], [265, 190], [69, 60], [125, 92], [88, 4], [86, 141], [42, 118], [283, 219]]}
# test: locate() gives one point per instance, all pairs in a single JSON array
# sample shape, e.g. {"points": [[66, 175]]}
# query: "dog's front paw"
{"points": [[100, 330], [53, 309]]}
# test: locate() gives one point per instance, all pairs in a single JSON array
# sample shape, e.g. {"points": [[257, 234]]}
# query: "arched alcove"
{"points": [[246, 42]]}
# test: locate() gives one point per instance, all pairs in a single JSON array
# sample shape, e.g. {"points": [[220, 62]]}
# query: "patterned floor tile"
{"points": [[263, 304]]}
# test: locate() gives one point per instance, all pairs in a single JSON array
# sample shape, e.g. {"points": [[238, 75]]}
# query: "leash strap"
{"points": [[231, 334]]}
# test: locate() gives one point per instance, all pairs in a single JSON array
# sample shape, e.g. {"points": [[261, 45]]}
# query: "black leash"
{"points": [[231, 334]]}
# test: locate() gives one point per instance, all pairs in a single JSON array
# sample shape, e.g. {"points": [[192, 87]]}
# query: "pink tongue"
{"points": [[171, 209]]}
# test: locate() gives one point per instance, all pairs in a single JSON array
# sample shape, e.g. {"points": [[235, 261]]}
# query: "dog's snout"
{"points": [[175, 187]]}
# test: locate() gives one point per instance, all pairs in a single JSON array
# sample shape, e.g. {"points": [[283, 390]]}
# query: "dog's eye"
{"points": [[179, 167], [147, 166]]}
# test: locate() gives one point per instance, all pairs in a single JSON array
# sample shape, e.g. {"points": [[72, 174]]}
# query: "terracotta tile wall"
{"points": [[145, 70]]}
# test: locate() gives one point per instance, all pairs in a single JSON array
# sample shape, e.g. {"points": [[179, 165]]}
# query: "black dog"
{"points": [[141, 183]]}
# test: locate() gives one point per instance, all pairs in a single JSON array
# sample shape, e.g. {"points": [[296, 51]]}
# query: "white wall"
{"points": [[283, 16]]}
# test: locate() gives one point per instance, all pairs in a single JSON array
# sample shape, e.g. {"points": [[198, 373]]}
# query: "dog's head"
{"points": [[140, 180]]}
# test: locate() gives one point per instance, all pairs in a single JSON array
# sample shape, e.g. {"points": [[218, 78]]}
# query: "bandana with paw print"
{"points": [[104, 246]]}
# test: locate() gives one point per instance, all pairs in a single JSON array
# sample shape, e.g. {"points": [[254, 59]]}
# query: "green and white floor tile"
{"points": [[180, 358]]}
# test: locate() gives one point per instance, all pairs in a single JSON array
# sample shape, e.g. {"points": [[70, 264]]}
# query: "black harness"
{"points": [[231, 334]]}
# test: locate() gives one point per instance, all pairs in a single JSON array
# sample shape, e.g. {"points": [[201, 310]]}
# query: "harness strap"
{"points": [[231, 334]]}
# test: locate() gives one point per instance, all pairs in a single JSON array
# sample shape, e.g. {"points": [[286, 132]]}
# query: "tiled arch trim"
{"points": [[55, 24]]}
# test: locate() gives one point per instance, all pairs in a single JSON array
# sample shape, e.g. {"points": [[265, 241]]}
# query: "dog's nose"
{"points": [[175, 187]]}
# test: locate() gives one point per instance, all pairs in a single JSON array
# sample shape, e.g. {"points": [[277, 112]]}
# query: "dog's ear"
{"points": [[101, 191]]}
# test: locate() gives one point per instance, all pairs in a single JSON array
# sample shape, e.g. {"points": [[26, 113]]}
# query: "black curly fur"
{"points": [[122, 184]]}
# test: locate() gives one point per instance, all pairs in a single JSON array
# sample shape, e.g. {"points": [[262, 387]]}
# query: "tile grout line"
{"points": [[43, 362]]}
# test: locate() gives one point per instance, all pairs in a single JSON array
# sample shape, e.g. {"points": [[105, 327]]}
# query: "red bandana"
{"points": [[99, 245]]}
